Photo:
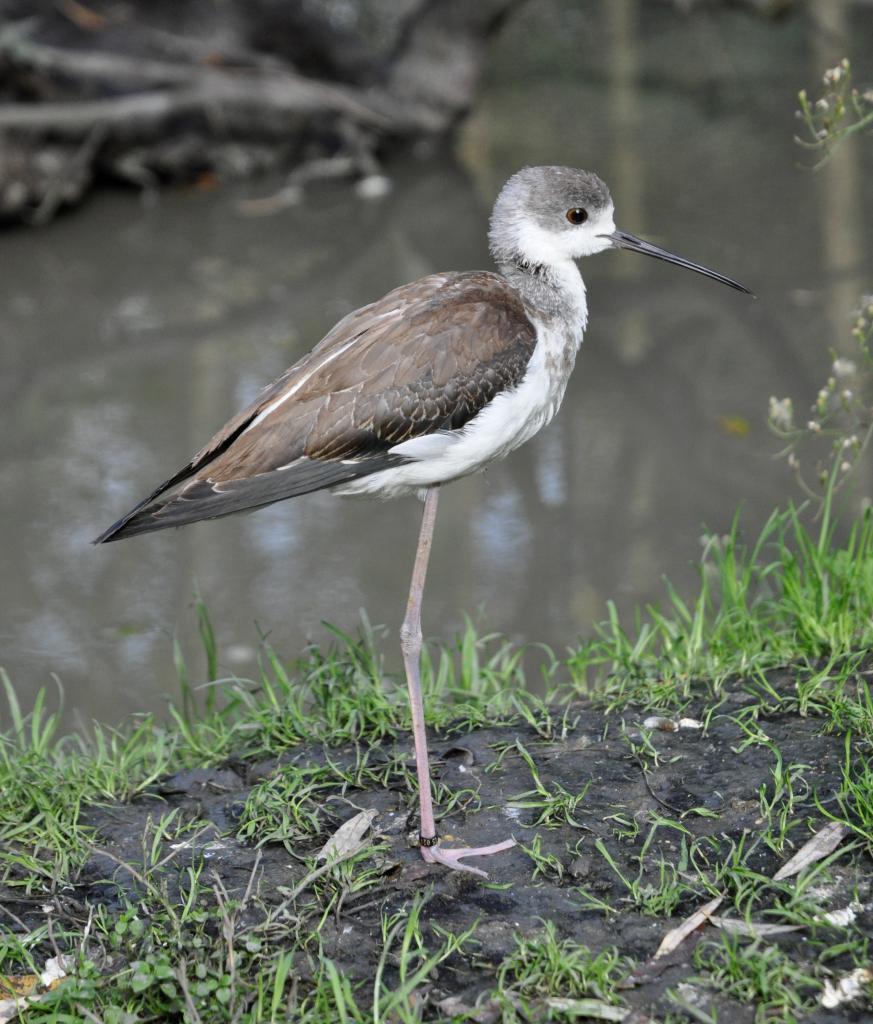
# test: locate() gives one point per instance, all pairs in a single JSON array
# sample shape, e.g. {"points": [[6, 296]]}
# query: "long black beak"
{"points": [[623, 240]]}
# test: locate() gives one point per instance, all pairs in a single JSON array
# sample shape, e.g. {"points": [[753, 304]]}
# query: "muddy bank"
{"points": [[667, 820]]}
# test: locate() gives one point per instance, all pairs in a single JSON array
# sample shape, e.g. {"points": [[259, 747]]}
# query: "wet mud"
{"points": [[702, 787]]}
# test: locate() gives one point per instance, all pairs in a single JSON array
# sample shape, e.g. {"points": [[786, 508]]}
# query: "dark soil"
{"points": [[710, 770]]}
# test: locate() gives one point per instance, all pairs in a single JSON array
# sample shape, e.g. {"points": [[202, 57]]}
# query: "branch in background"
{"points": [[111, 88]]}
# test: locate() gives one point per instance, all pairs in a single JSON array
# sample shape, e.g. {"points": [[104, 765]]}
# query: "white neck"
{"points": [[554, 292]]}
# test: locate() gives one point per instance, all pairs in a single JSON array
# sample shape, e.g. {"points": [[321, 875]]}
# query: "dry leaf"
{"points": [[18, 991], [348, 838], [752, 929], [676, 936], [586, 1008], [825, 841], [18, 986], [9, 1009], [454, 1006]]}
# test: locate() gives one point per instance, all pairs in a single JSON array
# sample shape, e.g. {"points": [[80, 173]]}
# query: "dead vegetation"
{"points": [[148, 93]]}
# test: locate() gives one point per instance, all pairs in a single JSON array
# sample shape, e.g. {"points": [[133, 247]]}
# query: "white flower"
{"points": [[781, 412], [843, 367]]}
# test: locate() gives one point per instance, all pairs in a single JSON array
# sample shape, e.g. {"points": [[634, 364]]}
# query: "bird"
{"points": [[430, 383]]}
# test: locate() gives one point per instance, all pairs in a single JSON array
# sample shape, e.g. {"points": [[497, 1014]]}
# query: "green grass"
{"points": [[544, 966], [552, 803], [786, 620], [793, 597], [759, 974], [779, 801], [546, 865], [660, 887], [855, 800]]}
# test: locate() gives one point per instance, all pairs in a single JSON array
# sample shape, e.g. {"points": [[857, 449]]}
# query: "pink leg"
{"points": [[410, 641]]}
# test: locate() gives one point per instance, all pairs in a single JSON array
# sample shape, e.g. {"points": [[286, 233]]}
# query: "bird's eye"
{"points": [[577, 215]]}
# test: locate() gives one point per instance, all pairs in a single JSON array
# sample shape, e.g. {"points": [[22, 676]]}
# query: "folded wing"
{"points": [[426, 357]]}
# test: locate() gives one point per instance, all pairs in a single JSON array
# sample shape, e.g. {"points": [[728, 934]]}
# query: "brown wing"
{"points": [[427, 356]]}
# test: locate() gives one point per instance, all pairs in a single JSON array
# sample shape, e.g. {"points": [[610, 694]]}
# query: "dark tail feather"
{"points": [[125, 526], [201, 499], [138, 520]]}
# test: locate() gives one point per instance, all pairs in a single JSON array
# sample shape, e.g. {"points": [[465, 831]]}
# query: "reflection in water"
{"points": [[131, 333]]}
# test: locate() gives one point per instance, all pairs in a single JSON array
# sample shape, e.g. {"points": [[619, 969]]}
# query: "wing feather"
{"points": [[426, 357]]}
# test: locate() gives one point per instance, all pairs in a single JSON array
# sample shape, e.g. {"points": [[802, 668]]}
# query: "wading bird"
{"points": [[430, 383]]}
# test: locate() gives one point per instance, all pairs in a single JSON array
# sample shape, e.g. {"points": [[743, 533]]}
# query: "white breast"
{"points": [[509, 420]]}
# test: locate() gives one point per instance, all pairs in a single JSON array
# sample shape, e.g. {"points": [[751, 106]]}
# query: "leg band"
{"points": [[432, 841]]}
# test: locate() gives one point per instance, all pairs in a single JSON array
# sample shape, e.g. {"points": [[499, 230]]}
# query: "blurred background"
{"points": [[136, 319]]}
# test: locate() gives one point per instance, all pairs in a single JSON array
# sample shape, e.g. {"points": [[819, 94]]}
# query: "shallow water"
{"points": [[131, 332]]}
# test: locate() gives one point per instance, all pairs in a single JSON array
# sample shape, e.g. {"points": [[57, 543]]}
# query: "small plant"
{"points": [[546, 865], [404, 946], [288, 807], [556, 805], [839, 427], [652, 894], [842, 110], [780, 802], [824, 447], [543, 965], [855, 799], [759, 975], [543, 716]]}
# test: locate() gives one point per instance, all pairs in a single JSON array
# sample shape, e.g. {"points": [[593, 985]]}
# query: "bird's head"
{"points": [[546, 216]]}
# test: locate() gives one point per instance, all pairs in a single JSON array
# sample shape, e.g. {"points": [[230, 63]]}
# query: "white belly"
{"points": [[509, 420]]}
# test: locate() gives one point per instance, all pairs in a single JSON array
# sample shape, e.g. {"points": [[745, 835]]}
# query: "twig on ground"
{"points": [[652, 794]]}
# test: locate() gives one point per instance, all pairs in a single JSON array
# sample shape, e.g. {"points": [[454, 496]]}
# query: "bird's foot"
{"points": [[436, 854]]}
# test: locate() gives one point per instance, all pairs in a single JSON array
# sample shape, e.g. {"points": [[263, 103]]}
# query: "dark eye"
{"points": [[577, 215]]}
